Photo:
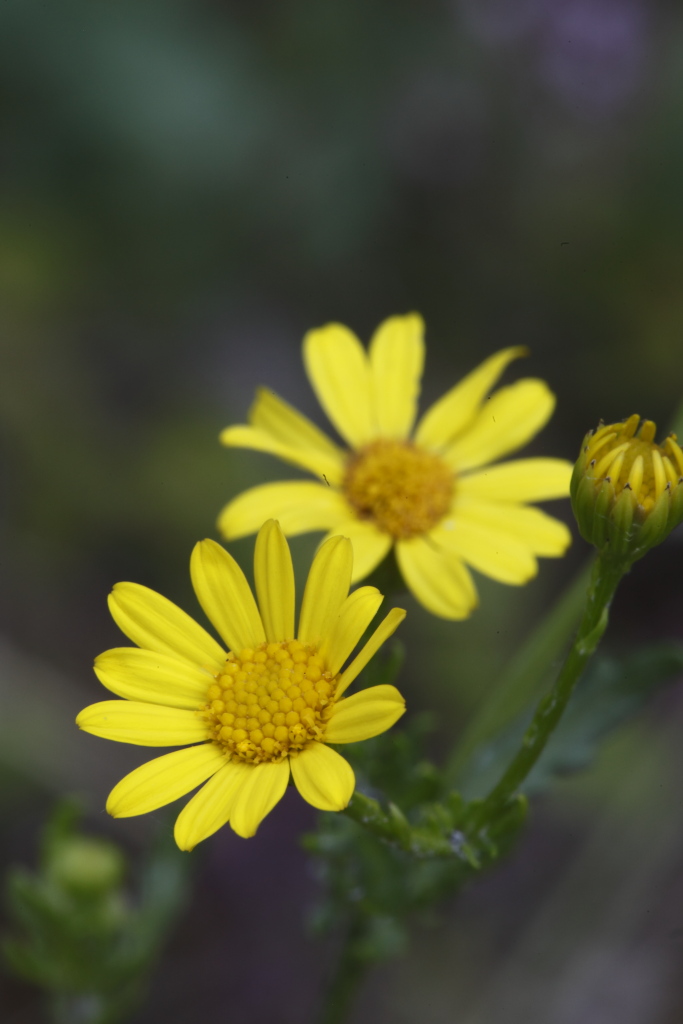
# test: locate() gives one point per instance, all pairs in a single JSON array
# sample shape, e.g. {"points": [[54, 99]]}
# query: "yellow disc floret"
{"points": [[402, 488], [269, 703], [628, 458]]}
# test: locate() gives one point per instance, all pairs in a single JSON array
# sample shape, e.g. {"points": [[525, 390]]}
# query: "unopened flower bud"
{"points": [[626, 490], [87, 866]]}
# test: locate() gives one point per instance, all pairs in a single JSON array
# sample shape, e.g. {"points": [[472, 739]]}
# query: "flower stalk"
{"points": [[605, 578]]}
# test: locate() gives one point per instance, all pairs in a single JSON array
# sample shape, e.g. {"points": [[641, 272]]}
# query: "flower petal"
{"points": [[224, 594], [263, 788], [459, 406], [326, 589], [323, 777], [156, 624], [355, 615], [543, 534], [339, 372], [519, 480], [298, 505], [258, 440], [146, 725], [507, 421], [438, 580], [291, 428], [396, 361], [487, 549], [279, 428], [370, 545], [274, 578], [386, 628], [163, 780], [152, 678], [364, 715], [210, 808]]}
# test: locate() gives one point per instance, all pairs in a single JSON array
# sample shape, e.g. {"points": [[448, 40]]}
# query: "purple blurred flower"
{"points": [[593, 52]]}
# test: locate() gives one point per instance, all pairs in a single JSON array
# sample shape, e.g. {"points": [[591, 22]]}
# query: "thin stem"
{"points": [[349, 973], [604, 581], [520, 682]]}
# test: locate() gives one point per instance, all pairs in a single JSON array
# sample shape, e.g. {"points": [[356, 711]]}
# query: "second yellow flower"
{"points": [[429, 492]]}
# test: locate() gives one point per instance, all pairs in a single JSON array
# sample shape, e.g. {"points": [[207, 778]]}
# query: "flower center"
{"points": [[268, 703], [629, 458], [403, 488]]}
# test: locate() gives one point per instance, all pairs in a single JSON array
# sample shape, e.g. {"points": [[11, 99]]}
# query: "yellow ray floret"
{"points": [[256, 711], [427, 489]]}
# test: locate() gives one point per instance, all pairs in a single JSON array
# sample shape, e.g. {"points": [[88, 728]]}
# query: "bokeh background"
{"points": [[185, 188]]}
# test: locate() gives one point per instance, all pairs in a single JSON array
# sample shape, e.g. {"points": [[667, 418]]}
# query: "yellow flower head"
{"points": [[265, 708], [627, 491], [430, 491]]}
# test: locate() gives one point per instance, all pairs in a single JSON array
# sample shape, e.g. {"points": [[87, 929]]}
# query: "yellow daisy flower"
{"points": [[429, 492], [265, 708]]}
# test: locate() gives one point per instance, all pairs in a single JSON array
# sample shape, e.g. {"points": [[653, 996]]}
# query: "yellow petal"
{"points": [[153, 678], [487, 549], [339, 372], [396, 362], [224, 594], [519, 480], [263, 788], [210, 808], [543, 534], [355, 615], [326, 589], [323, 777], [146, 725], [459, 406], [274, 578], [280, 419], [438, 580], [156, 624], [370, 545], [163, 780], [293, 431], [507, 421], [364, 715], [386, 628], [298, 505], [323, 466]]}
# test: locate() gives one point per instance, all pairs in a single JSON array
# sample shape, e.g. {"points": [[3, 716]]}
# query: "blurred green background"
{"points": [[185, 189]]}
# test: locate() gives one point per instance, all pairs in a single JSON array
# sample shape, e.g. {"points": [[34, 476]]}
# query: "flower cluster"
{"points": [[263, 707]]}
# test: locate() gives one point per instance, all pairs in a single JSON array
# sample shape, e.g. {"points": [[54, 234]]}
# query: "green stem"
{"points": [[604, 581], [519, 683], [395, 829], [349, 973]]}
